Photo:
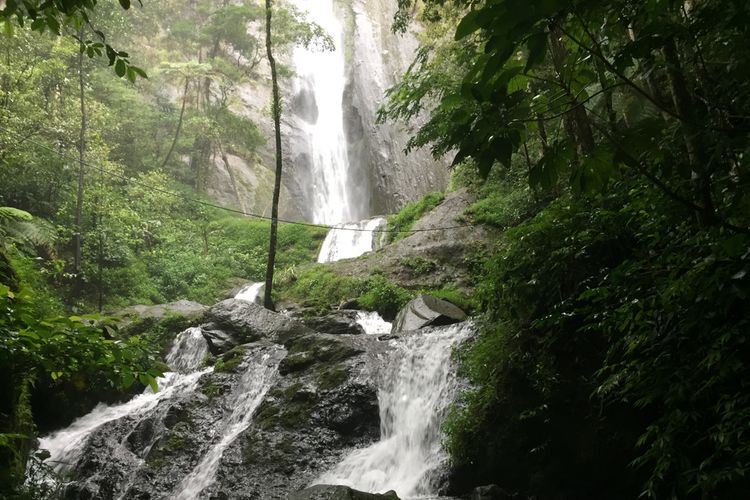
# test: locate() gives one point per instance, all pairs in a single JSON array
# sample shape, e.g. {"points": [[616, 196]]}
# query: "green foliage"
{"points": [[384, 296], [418, 265], [455, 297], [408, 215]]}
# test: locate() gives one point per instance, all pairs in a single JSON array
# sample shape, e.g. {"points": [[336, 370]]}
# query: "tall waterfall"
{"points": [[349, 240], [323, 73], [189, 348], [247, 395], [416, 386]]}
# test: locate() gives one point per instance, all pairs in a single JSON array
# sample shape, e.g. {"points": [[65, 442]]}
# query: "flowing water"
{"points": [[373, 323], [246, 397], [251, 293], [417, 384], [189, 349], [349, 240], [323, 72]]}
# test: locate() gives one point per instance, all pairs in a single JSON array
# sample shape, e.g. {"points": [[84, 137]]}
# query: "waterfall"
{"points": [[323, 73], [373, 323], [346, 241], [66, 446], [417, 384], [251, 293], [245, 399]]}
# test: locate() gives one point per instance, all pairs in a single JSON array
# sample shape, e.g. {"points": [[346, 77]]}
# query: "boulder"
{"points": [[427, 310], [186, 308], [218, 341], [336, 492], [337, 323], [490, 492], [249, 322]]}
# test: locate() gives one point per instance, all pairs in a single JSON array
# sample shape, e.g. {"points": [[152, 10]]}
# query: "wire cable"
{"points": [[131, 180]]}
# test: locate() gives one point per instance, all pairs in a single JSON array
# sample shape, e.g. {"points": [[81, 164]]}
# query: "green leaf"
{"points": [[468, 25], [537, 45], [120, 68]]}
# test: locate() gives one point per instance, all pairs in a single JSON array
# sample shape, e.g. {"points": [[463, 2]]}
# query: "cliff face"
{"points": [[383, 177], [377, 59]]}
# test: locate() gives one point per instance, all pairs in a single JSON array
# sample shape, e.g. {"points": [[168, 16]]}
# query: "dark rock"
{"points": [[427, 310], [249, 322], [490, 492], [350, 304], [339, 322], [218, 341], [337, 492]]}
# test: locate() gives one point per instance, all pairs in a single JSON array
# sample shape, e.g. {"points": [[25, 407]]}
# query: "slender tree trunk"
{"points": [[179, 123], [81, 168], [691, 110], [576, 121], [276, 111]]}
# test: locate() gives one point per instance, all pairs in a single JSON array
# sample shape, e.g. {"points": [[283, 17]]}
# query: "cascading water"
{"points": [[189, 349], [251, 293], [416, 386], [373, 323], [323, 72], [248, 394], [346, 241]]}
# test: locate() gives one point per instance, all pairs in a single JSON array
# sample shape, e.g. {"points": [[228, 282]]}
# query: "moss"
{"points": [[211, 390], [288, 408], [405, 219], [418, 265], [455, 297], [332, 377], [230, 360]]}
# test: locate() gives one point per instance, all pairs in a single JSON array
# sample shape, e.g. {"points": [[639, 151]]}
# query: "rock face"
{"points": [[184, 308], [247, 322], [320, 402], [343, 321], [331, 492], [426, 310]]}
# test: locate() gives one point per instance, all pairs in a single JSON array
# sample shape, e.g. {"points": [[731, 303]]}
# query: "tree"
{"points": [[276, 112]]}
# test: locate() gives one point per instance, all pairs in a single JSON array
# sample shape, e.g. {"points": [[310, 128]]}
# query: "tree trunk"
{"points": [[179, 123], [276, 111], [690, 110], [576, 120], [81, 168]]}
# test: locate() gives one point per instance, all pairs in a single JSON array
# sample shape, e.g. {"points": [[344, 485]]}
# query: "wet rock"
{"points": [[427, 310], [339, 322], [249, 322], [490, 492], [218, 341], [337, 492]]}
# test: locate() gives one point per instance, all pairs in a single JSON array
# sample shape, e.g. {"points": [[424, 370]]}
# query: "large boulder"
{"points": [[337, 492], [249, 322], [185, 308], [427, 310], [338, 322]]}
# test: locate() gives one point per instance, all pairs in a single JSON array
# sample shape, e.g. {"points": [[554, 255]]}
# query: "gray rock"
{"points": [[337, 492], [339, 322], [249, 322], [427, 310], [218, 341], [184, 308]]}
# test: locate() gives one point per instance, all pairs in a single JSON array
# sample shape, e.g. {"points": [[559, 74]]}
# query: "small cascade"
{"points": [[417, 384], [251, 293], [185, 357], [245, 399], [373, 323], [350, 240]]}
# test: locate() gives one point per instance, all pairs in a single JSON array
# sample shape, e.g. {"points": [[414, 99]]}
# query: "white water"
{"points": [[250, 293], [324, 73], [351, 240], [246, 397], [373, 323], [417, 385], [67, 445]]}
